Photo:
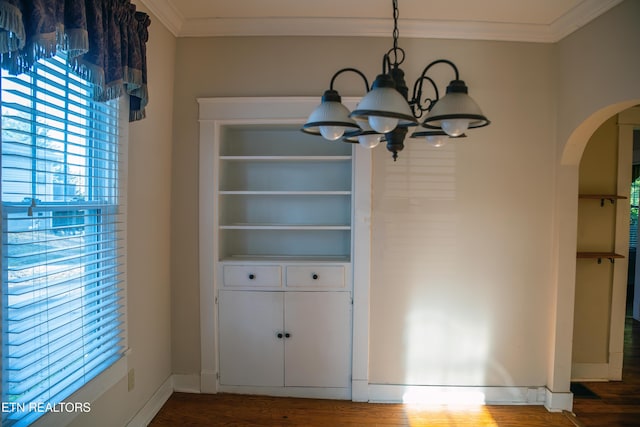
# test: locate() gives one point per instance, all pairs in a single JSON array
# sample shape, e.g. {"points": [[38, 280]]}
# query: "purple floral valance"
{"points": [[105, 42]]}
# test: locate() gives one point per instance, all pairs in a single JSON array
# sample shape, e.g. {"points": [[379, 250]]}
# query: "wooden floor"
{"points": [[616, 403], [613, 404]]}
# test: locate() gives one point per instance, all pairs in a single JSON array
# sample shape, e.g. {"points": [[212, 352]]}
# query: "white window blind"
{"points": [[62, 297]]}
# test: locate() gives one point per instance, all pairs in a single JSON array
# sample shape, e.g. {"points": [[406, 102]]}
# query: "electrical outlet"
{"points": [[131, 379]]}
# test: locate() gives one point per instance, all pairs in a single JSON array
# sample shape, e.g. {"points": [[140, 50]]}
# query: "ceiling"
{"points": [[545, 21]]}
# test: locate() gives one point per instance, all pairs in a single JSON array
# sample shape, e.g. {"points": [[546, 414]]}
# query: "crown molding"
{"points": [[577, 17], [166, 14]]}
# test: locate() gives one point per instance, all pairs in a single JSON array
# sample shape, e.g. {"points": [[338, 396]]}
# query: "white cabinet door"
{"points": [[251, 353], [318, 349]]}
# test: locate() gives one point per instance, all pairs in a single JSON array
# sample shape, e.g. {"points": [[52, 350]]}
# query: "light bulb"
{"points": [[369, 141], [455, 127], [436, 140], [383, 124], [332, 133]]}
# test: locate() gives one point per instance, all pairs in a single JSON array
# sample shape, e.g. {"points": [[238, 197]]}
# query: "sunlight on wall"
{"points": [[445, 336], [446, 347], [449, 396]]}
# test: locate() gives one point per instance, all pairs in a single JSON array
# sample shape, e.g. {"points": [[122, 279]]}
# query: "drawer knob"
{"points": [[287, 335], [252, 276], [279, 335], [315, 276]]}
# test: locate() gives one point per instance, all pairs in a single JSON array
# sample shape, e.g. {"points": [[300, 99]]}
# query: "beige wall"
{"points": [[597, 76], [148, 229], [476, 274], [486, 290]]}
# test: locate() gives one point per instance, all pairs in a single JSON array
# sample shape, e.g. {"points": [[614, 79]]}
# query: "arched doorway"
{"points": [[565, 249], [603, 246]]}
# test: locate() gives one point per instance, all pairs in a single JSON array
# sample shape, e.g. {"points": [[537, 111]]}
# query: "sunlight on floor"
{"points": [[447, 407], [447, 415]]}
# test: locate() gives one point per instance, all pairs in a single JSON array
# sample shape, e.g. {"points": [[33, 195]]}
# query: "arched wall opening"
{"points": [[565, 248]]}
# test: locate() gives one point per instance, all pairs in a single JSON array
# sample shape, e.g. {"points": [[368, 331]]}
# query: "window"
{"points": [[62, 239]]}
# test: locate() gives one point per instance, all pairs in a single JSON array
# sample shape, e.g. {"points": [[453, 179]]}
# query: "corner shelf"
{"points": [[602, 197], [611, 256]]}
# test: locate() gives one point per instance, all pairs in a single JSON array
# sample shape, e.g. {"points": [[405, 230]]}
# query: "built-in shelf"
{"points": [[611, 256], [282, 194], [602, 197]]}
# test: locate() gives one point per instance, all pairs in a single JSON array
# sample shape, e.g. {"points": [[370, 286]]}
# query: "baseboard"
{"points": [[338, 393], [558, 402], [615, 366], [186, 383], [454, 395], [590, 372], [153, 405], [360, 390], [208, 382]]}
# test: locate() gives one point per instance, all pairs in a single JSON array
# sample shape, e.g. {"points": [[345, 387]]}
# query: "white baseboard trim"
{"points": [[360, 390], [186, 383], [590, 372], [615, 366], [208, 382], [338, 393], [455, 395], [153, 405], [558, 402]]}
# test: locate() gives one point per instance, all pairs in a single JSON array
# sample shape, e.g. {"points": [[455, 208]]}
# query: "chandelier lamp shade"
{"points": [[331, 118], [386, 111]]}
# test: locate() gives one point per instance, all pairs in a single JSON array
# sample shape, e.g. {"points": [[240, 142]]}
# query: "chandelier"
{"points": [[386, 112]]}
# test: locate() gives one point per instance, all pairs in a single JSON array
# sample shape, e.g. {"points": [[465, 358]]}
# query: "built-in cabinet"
{"points": [[285, 339], [284, 269]]}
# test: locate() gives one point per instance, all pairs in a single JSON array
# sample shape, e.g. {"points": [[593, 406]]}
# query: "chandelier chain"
{"points": [[398, 52], [396, 32]]}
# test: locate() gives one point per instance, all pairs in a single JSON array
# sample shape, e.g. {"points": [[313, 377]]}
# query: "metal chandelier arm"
{"points": [[354, 70], [417, 105], [416, 99], [441, 61]]}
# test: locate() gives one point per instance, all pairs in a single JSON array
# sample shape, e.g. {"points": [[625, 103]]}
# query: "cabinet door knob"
{"points": [[252, 276], [315, 276], [279, 334], [287, 335]]}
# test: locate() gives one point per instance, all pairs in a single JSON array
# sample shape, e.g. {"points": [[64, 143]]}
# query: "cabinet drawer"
{"points": [[326, 276], [252, 275]]}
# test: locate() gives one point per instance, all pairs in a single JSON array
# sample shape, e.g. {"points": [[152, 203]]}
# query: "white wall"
{"points": [[148, 206]]}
